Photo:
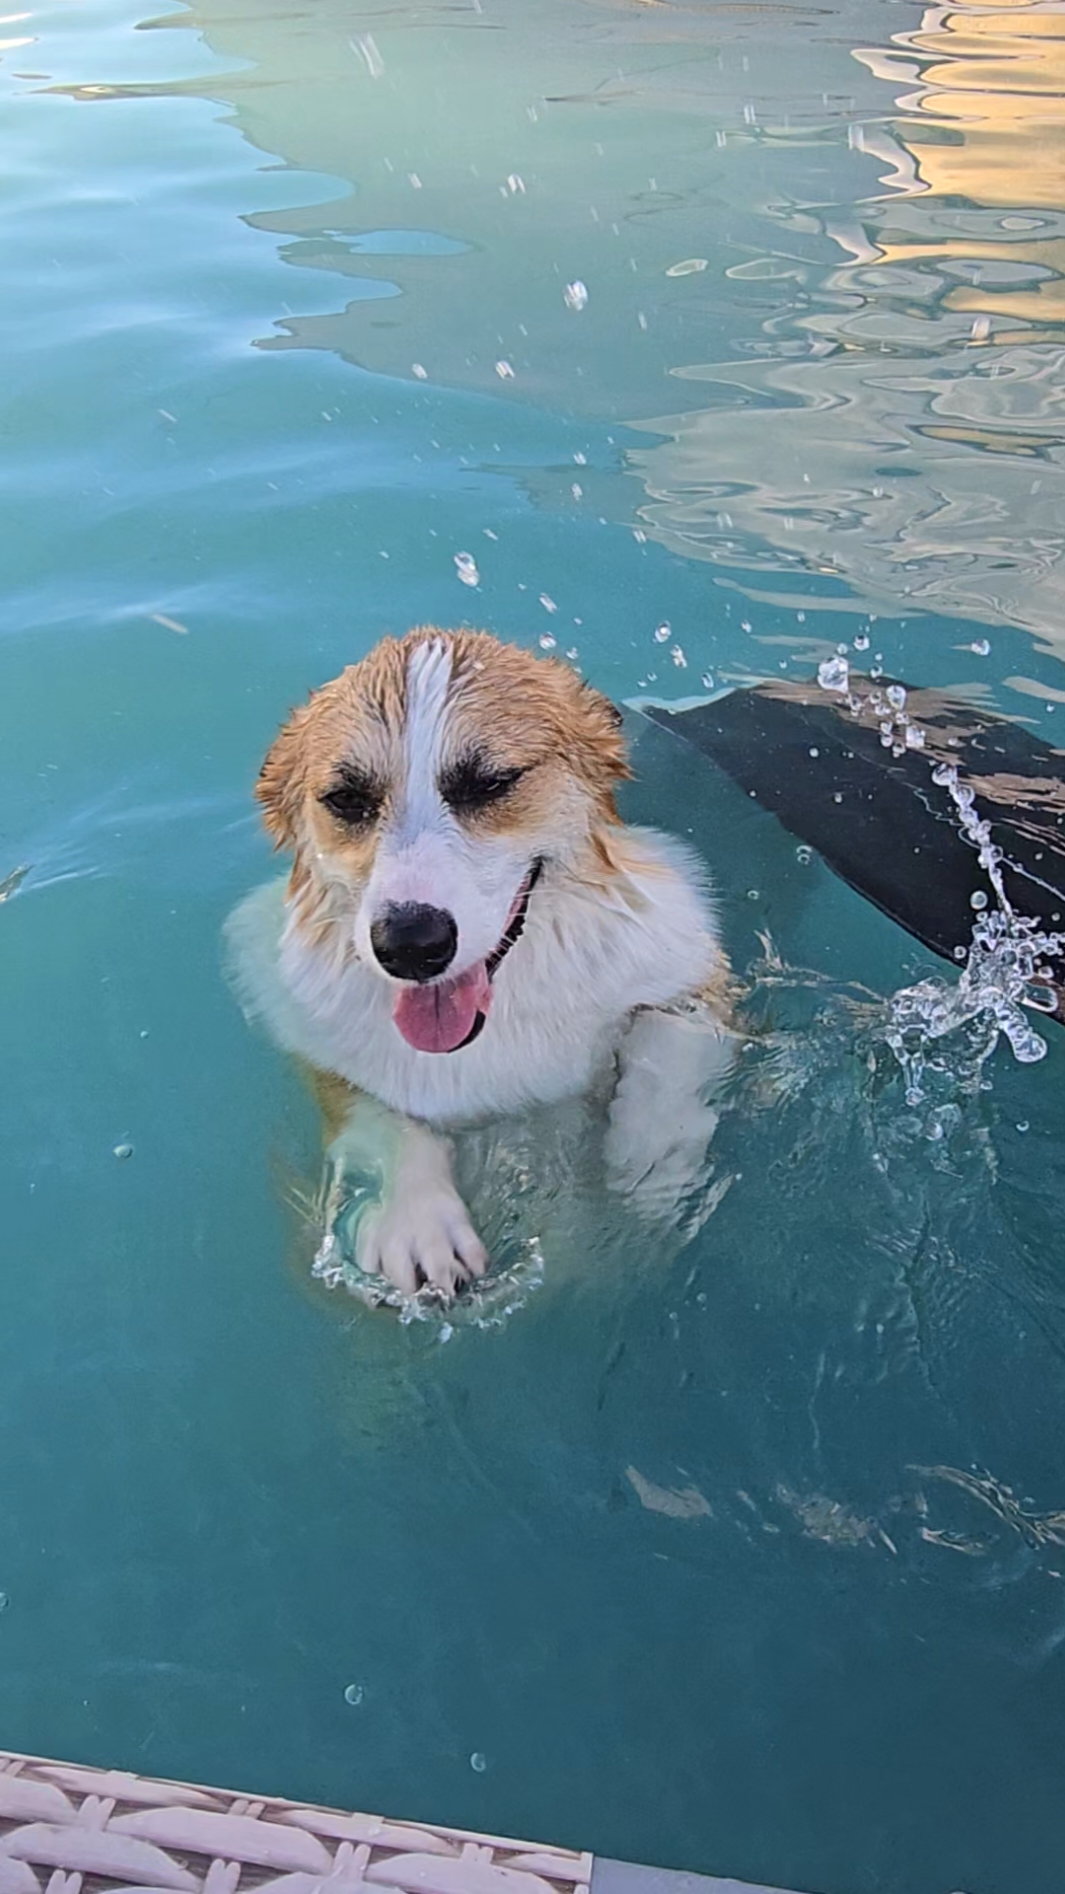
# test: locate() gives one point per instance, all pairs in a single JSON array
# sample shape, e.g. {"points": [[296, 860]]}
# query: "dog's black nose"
{"points": [[414, 942]]}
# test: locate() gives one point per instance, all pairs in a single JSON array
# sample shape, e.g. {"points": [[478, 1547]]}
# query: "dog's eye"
{"points": [[474, 784], [354, 799]]}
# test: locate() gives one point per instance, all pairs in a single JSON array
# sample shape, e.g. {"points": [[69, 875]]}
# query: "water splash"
{"points": [[1005, 971], [1005, 968], [485, 1304]]}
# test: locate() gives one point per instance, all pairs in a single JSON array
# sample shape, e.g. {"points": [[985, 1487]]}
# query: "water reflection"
{"points": [[604, 142], [903, 433]]}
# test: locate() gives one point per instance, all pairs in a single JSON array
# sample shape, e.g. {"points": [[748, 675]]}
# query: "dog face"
{"points": [[421, 791]]}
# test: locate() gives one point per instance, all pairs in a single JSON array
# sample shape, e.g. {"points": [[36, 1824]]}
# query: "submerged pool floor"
{"points": [[692, 344]]}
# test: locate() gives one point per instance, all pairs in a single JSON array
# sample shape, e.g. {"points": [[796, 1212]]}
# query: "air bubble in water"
{"points": [[478, 1762], [547, 642], [804, 855], [353, 1694], [679, 659], [978, 899], [861, 641], [504, 371], [745, 624], [896, 696], [663, 633], [548, 602], [981, 646], [576, 296], [914, 737], [466, 568], [418, 371], [123, 1150], [708, 680], [516, 185], [833, 674]]}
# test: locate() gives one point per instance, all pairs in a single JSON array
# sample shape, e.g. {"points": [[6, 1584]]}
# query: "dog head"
{"points": [[422, 791]]}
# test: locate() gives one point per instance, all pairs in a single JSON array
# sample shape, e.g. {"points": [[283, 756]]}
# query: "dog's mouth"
{"points": [[450, 1014]]}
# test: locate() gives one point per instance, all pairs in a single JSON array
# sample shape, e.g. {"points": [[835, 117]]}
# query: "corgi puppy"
{"points": [[468, 929]]}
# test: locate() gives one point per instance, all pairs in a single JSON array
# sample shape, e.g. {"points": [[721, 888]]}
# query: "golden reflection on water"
{"points": [[917, 454]]}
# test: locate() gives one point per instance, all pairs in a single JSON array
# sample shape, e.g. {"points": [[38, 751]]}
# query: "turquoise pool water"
{"points": [[748, 1557]]}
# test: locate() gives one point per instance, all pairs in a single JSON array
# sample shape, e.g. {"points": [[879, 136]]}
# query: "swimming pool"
{"points": [[747, 1557]]}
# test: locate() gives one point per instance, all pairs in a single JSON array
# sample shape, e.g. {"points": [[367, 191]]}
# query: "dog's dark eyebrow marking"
{"points": [[354, 796], [472, 781]]}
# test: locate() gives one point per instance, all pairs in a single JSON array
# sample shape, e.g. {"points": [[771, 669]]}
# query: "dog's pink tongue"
{"points": [[439, 1018]]}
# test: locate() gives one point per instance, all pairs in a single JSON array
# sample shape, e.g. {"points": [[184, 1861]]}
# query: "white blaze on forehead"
{"points": [[421, 806]]}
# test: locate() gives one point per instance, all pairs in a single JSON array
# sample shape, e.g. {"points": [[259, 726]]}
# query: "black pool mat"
{"points": [[876, 816]]}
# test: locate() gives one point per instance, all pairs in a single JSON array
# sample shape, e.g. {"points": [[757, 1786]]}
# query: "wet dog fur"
{"points": [[469, 928]]}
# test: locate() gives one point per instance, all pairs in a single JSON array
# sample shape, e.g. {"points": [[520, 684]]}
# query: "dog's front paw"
{"points": [[422, 1236]]}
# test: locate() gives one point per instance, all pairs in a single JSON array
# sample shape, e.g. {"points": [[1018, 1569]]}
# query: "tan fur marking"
{"points": [[529, 712]]}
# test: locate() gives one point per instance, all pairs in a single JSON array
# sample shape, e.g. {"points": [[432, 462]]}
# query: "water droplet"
{"points": [[366, 47], [466, 568], [815, 752], [833, 674], [354, 1694], [123, 1150], [478, 1762], [576, 296]]}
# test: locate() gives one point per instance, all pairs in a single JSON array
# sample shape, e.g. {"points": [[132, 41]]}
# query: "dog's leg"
{"points": [[663, 1114], [410, 1224]]}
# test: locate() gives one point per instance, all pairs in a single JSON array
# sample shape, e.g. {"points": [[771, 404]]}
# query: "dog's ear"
{"points": [[604, 751], [281, 784]]}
